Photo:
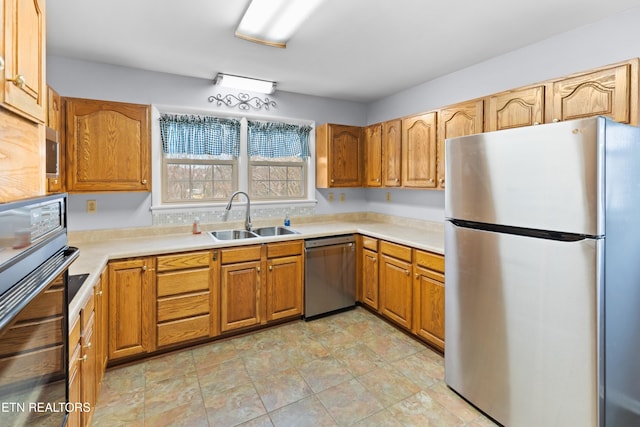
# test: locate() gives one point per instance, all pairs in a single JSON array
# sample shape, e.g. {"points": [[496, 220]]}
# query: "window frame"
{"points": [[242, 171]]}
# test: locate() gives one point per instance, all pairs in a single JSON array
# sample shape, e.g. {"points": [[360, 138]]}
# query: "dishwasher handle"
{"points": [[329, 241]]}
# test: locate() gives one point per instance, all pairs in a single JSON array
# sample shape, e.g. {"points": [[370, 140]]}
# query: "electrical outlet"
{"points": [[92, 206], [330, 195], [388, 196], [342, 197]]}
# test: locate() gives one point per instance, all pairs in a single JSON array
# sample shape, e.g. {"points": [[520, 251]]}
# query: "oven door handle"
{"points": [[17, 298]]}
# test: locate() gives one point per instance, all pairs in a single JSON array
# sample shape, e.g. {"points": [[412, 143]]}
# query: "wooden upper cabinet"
{"points": [[515, 108], [606, 92], [22, 70], [339, 156], [419, 151], [55, 124], [373, 153], [108, 146], [457, 120], [392, 153]]}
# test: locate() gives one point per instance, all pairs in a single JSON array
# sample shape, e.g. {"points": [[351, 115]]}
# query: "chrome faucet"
{"points": [[247, 219]]}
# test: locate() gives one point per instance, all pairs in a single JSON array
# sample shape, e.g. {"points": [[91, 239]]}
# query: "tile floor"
{"points": [[347, 369]]}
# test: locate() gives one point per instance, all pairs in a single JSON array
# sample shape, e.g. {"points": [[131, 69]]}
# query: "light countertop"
{"points": [[97, 248]]}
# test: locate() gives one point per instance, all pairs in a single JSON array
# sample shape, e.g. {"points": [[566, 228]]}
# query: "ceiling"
{"points": [[358, 50]]}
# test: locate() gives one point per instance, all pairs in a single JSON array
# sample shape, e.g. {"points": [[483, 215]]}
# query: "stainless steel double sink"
{"points": [[246, 234]]}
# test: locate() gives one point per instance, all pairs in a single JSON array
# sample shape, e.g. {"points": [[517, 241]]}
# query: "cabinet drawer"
{"points": [[182, 261], [86, 312], [179, 307], [370, 243], [183, 330], [430, 260], [182, 282], [395, 250], [275, 250], [240, 254]]}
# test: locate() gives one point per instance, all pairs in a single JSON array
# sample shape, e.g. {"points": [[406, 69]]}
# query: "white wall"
{"points": [[610, 40]]}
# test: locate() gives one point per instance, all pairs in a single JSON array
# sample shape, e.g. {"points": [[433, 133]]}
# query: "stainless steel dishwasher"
{"points": [[330, 275]]}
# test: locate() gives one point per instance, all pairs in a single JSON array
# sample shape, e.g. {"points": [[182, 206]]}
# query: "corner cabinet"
{"points": [[339, 156], [22, 58], [108, 146]]}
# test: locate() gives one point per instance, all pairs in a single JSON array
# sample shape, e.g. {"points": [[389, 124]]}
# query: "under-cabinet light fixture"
{"points": [[273, 22], [245, 83]]}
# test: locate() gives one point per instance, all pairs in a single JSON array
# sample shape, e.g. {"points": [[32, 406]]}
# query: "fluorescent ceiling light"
{"points": [[245, 83], [273, 22]]}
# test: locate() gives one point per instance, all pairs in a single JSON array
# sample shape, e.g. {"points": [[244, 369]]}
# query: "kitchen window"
{"points": [[205, 159]]}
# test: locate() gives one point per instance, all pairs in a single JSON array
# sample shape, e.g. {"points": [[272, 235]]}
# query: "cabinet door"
{"points": [[370, 278], [101, 328], [458, 120], [516, 108], [429, 296], [396, 294], [605, 92], [284, 287], [24, 33], [54, 121], [131, 318], [108, 146], [339, 156], [239, 295], [392, 153], [75, 395], [373, 153], [88, 368], [419, 151]]}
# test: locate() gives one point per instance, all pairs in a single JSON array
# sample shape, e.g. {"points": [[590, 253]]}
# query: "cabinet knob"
{"points": [[442, 182], [144, 182], [431, 180], [536, 123], [332, 180], [88, 345], [258, 269], [18, 80], [377, 179], [417, 276], [556, 120], [1, 63], [270, 268], [215, 255], [99, 293], [84, 358], [407, 272], [397, 179], [144, 268]]}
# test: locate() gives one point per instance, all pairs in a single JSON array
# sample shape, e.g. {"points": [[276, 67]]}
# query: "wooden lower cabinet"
{"points": [[101, 327], [240, 287], [369, 271], [131, 301], [84, 363], [251, 296], [185, 303], [429, 297], [395, 284], [404, 285], [285, 277]]}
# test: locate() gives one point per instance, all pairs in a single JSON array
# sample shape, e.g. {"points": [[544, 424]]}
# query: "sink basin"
{"points": [[232, 234], [274, 231]]}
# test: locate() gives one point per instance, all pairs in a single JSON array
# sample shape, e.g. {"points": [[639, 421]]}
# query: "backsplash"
{"points": [[236, 214]]}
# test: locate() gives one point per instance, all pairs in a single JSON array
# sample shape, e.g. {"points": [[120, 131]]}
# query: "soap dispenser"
{"points": [[287, 221]]}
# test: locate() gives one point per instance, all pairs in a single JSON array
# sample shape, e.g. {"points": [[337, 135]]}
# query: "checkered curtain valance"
{"points": [[274, 140], [199, 136]]}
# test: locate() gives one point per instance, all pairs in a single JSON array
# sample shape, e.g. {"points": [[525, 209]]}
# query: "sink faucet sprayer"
{"points": [[247, 219]]}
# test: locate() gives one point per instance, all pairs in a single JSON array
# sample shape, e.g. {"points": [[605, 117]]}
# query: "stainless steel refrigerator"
{"points": [[542, 297]]}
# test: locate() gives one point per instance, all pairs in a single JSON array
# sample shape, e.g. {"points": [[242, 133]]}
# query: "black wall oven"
{"points": [[34, 262]]}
